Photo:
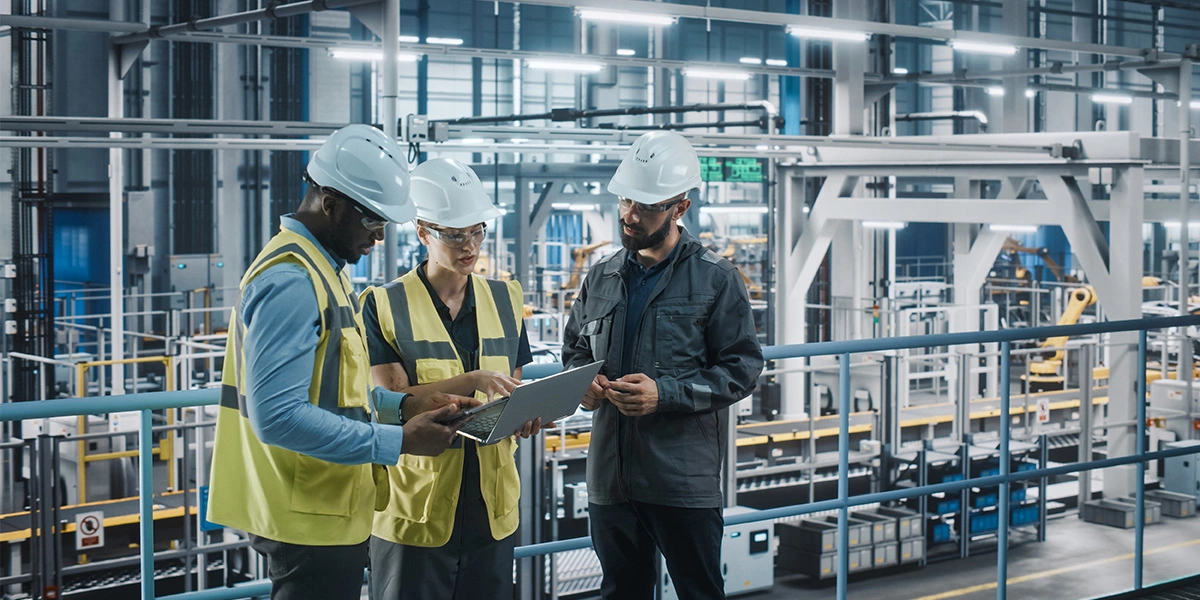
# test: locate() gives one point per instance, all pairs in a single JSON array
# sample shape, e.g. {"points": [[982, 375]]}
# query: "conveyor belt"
{"points": [[753, 434], [123, 511]]}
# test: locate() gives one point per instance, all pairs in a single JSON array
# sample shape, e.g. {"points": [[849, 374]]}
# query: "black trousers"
{"points": [[313, 572], [471, 566], [626, 535]]}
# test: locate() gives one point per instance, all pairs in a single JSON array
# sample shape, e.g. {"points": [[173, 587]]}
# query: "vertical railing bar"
{"points": [[843, 545], [1140, 441], [1005, 464], [146, 502]]}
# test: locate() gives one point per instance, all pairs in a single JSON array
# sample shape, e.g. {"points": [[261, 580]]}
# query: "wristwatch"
{"points": [[389, 408]]}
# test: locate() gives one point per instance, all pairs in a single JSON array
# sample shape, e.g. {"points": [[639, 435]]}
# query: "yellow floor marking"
{"points": [[983, 587]]}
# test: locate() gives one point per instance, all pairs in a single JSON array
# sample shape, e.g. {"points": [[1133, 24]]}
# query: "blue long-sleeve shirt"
{"points": [[279, 308]]}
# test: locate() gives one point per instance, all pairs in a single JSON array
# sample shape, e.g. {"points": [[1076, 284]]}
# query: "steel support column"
{"points": [[388, 93], [116, 213]]}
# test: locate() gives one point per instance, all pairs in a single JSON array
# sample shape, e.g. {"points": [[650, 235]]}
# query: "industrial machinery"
{"points": [[1012, 248], [1044, 374], [578, 269]]}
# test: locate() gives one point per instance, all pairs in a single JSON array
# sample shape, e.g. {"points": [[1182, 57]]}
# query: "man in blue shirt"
{"points": [[298, 427]]}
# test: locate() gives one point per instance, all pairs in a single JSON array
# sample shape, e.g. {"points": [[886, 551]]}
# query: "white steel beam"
{"points": [[971, 269], [1123, 301], [1075, 217], [808, 253], [116, 219], [782, 19], [942, 210]]}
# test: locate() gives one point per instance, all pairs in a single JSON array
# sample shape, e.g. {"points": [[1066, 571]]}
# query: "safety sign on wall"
{"points": [[1043, 410], [89, 530]]}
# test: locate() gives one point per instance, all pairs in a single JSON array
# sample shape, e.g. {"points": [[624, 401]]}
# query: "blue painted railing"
{"points": [[166, 400]]}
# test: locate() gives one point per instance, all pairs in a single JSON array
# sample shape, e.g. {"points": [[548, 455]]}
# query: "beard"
{"points": [[341, 238], [641, 241]]}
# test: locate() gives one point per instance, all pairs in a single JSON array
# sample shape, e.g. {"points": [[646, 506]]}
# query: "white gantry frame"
{"points": [[1112, 266]]}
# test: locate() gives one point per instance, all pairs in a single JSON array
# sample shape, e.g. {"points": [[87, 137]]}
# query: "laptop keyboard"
{"points": [[483, 423]]}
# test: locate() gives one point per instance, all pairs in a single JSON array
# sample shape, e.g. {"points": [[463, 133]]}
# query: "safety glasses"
{"points": [[458, 239], [648, 209]]}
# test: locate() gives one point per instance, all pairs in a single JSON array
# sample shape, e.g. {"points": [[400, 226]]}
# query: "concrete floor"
{"points": [[1077, 560]]}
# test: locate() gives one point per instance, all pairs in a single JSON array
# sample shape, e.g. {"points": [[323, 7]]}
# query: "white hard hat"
{"points": [[449, 193], [369, 167], [659, 166]]}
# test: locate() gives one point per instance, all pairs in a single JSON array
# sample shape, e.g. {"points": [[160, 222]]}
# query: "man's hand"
{"points": [[634, 395], [422, 402], [595, 394], [495, 385], [428, 433]]}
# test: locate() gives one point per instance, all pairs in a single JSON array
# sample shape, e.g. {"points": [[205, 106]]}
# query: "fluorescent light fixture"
{"points": [[369, 55], [762, 147], [1175, 224], [577, 66], [983, 48], [1194, 104], [472, 140], [444, 40], [519, 140], [715, 74], [410, 39], [899, 71], [1014, 228], [732, 209], [995, 90], [776, 62], [883, 224], [574, 207], [829, 34], [1030, 93], [588, 14], [1105, 98], [750, 60], [626, 52]]}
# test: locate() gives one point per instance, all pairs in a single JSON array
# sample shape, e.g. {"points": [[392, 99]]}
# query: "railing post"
{"points": [[146, 502], [843, 546], [1140, 430], [1005, 464]]}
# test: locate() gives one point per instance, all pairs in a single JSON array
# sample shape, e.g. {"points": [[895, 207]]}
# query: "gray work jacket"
{"points": [[697, 341]]}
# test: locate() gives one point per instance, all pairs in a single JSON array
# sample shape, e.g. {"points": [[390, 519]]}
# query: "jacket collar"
{"points": [[686, 247]]}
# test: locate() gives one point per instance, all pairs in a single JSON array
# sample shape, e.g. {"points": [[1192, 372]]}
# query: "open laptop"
{"points": [[550, 398]]}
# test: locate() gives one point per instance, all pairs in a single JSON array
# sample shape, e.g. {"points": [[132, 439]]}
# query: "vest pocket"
{"points": [[508, 480], [322, 488], [432, 370], [355, 370], [412, 484]]}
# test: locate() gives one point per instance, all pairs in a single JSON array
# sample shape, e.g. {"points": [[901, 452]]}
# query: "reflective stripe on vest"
{"points": [[424, 490], [276, 493]]}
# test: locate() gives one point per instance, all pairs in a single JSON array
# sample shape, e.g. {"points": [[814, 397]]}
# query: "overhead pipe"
{"points": [[261, 14], [572, 114], [975, 115], [761, 122]]}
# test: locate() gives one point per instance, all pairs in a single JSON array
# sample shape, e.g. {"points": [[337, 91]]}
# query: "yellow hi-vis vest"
{"points": [[425, 489], [276, 493]]}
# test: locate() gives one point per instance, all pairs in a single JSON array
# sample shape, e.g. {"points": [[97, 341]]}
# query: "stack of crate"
{"points": [[878, 538], [910, 535]]}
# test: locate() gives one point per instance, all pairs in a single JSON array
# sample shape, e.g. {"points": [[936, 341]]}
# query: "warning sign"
{"points": [[89, 530], [1043, 410]]}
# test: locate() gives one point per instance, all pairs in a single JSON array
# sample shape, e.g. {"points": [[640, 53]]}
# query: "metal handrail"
{"points": [[167, 400]]}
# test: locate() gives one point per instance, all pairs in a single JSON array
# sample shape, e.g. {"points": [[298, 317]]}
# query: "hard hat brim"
{"points": [[461, 221]]}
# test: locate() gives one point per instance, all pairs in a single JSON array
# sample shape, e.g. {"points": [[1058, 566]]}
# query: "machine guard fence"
{"points": [[148, 402]]}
